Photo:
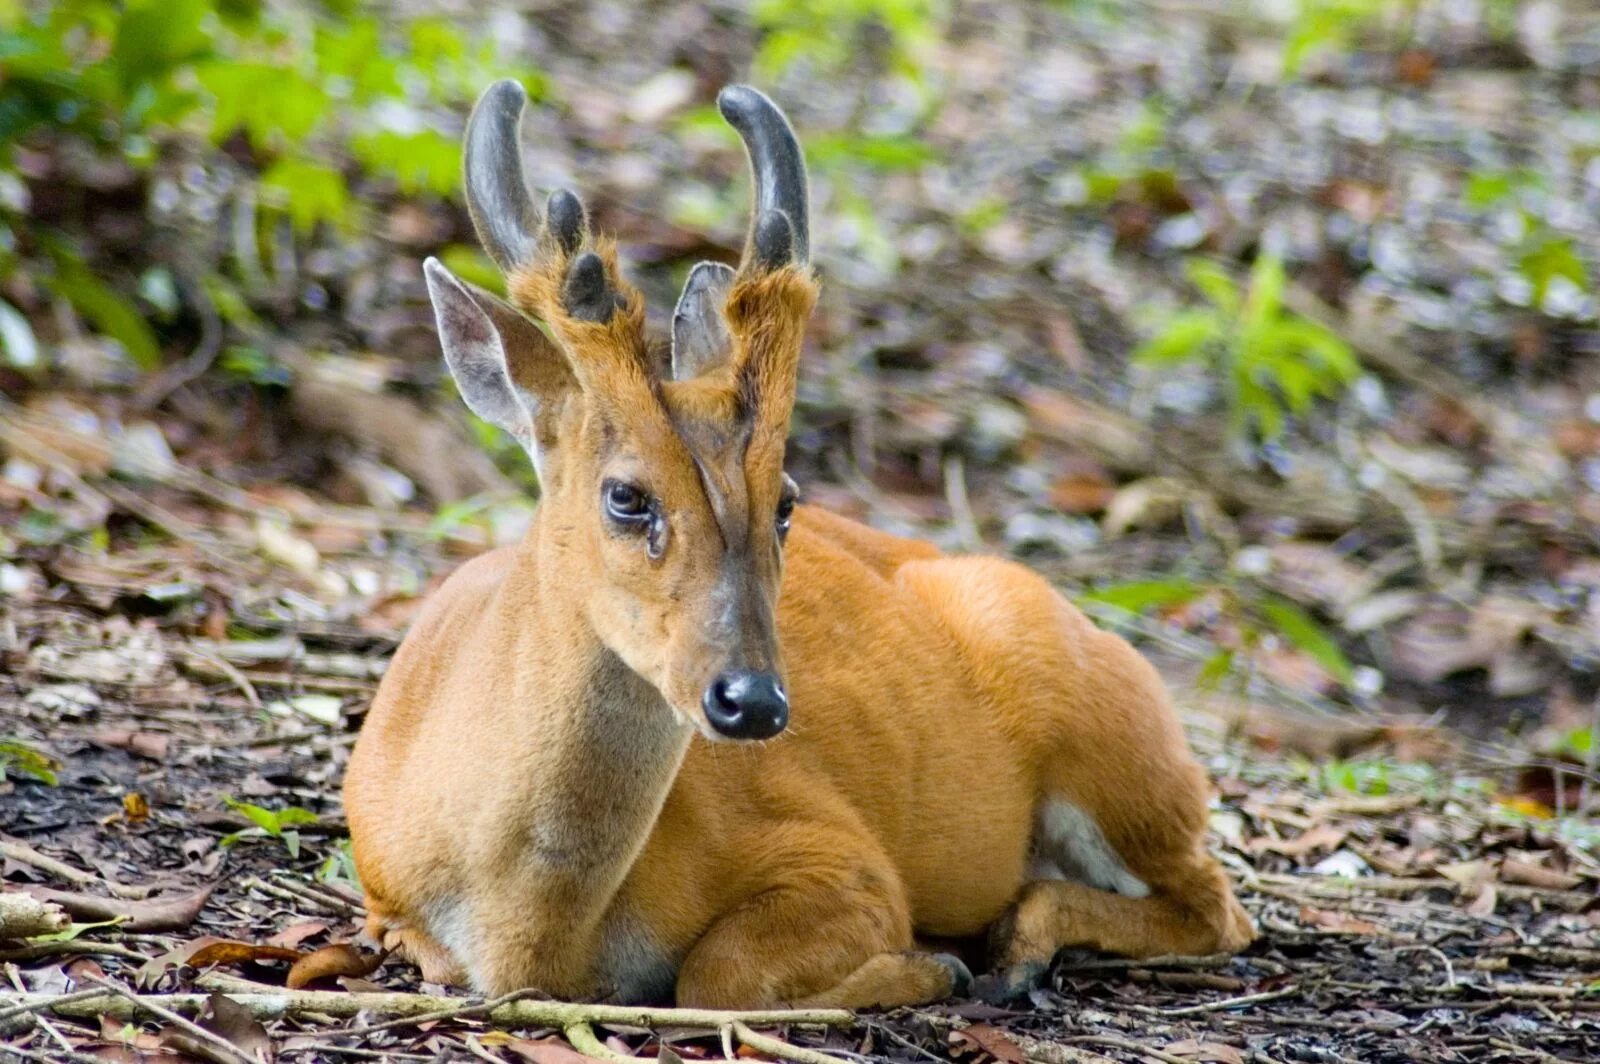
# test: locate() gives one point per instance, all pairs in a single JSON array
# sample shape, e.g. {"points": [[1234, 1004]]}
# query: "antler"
{"points": [[779, 235], [508, 223], [780, 224]]}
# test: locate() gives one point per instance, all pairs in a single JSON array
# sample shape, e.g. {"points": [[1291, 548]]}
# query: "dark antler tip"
{"points": [[587, 294], [774, 239], [737, 101], [564, 215], [506, 92]]}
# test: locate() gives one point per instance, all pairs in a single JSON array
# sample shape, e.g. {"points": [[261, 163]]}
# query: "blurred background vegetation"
{"points": [[1268, 326]]}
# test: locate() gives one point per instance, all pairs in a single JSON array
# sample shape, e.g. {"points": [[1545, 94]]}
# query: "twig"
{"points": [[33, 951], [585, 1041], [271, 1003], [25, 854], [1449, 969], [46, 1002], [477, 1049], [1113, 1042], [55, 1056], [778, 1048], [1226, 1003], [189, 1027], [170, 379], [295, 893]]}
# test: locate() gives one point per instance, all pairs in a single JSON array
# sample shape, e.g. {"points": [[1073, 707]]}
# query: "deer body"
{"points": [[535, 799]]}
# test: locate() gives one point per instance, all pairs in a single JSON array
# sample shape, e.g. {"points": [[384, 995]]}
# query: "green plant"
{"points": [[1251, 616], [1330, 26], [19, 759], [1274, 362], [829, 34], [278, 824], [308, 96], [339, 867], [1543, 255]]}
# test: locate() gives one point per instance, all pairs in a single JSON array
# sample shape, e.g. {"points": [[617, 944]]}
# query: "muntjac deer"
{"points": [[690, 739]]}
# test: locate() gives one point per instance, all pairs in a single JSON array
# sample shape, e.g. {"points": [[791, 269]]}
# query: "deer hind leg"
{"points": [[836, 932], [1193, 913]]}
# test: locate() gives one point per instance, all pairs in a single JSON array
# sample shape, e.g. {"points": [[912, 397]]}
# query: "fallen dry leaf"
{"points": [[1210, 1052], [1320, 837], [991, 1040], [547, 1051], [295, 934], [150, 745], [1329, 920], [135, 807], [231, 951], [154, 914], [1534, 875], [231, 1020], [330, 962]]}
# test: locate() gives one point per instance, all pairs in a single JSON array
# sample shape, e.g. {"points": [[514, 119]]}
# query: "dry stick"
{"points": [[1113, 1042], [55, 1056], [1226, 1003], [273, 1003], [585, 1041], [183, 1024], [476, 1049], [321, 894], [25, 854], [47, 1002], [1397, 886], [778, 1048], [285, 891]]}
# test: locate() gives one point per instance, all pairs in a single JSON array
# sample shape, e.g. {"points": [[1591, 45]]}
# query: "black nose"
{"points": [[746, 705]]}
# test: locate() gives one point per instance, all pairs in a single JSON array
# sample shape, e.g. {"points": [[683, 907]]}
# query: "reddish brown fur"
{"points": [[530, 805]]}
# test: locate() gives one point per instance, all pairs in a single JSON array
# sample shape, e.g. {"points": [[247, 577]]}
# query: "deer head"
{"points": [[665, 503]]}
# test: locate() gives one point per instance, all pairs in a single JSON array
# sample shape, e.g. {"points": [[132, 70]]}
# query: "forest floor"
{"points": [[1383, 629]]}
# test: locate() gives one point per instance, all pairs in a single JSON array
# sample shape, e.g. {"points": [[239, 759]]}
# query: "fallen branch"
{"points": [[775, 1047], [271, 1004], [222, 1049], [585, 1041], [24, 916], [22, 853], [1396, 886]]}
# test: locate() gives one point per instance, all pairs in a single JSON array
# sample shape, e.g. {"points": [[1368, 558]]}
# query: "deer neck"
{"points": [[597, 751]]}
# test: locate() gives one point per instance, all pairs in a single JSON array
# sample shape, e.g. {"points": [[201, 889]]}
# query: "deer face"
{"points": [[665, 502]]}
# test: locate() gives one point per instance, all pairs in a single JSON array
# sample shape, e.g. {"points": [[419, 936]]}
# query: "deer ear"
{"points": [[700, 337], [509, 372]]}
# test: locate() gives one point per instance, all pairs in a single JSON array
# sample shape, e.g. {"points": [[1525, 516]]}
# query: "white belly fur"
{"points": [[1069, 845]]}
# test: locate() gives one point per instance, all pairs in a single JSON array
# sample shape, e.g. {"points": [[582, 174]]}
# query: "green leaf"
{"points": [[1548, 260], [427, 161], [1141, 595], [18, 758], [308, 192], [74, 930], [1303, 631], [1215, 670], [1214, 283], [111, 313], [156, 36], [1265, 298], [1184, 338]]}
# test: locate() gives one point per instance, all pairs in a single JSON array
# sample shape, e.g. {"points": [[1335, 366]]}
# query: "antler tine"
{"points": [[503, 213], [780, 225]]}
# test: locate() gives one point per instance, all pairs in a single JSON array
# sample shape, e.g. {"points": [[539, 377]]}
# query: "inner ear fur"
{"points": [[508, 371]]}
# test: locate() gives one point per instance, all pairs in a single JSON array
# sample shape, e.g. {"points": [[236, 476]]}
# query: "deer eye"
{"points": [[786, 505], [626, 504]]}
